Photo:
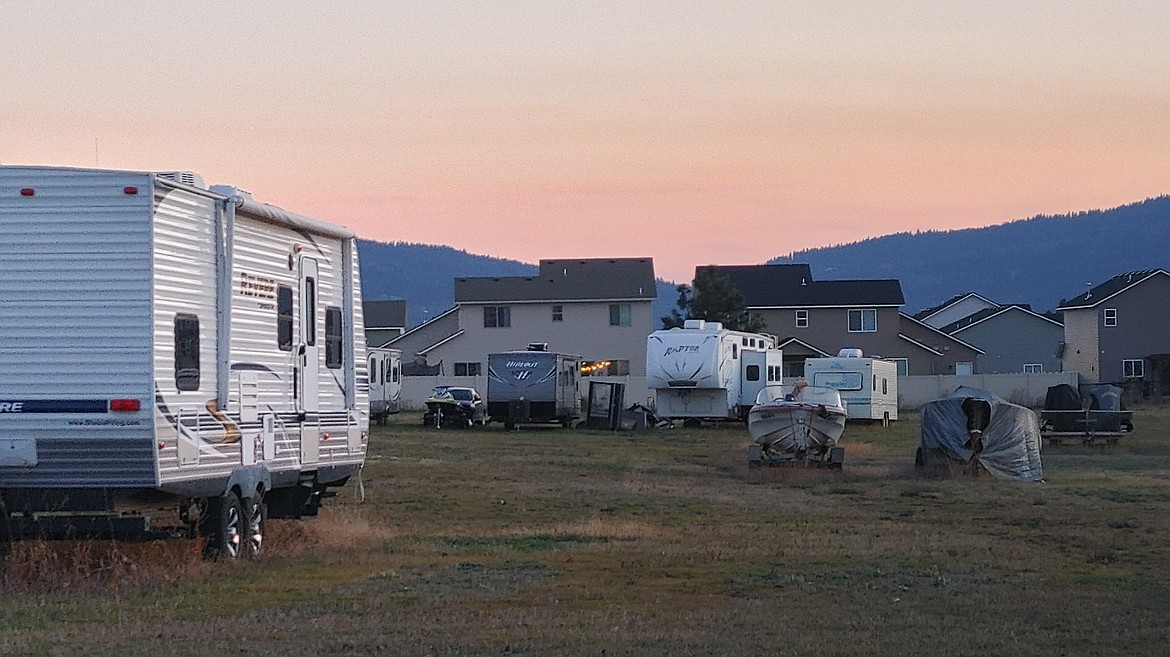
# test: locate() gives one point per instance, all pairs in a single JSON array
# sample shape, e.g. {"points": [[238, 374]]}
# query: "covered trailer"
{"points": [[172, 357], [533, 386], [974, 431], [868, 386], [703, 371], [384, 365]]}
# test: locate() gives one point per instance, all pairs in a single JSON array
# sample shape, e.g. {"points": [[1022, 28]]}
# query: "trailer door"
{"points": [[309, 362]]}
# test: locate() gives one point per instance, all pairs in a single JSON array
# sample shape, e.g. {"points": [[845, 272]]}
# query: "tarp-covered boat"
{"points": [[796, 424], [973, 431]]}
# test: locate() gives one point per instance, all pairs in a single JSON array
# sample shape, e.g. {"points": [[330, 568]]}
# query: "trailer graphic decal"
{"points": [[54, 406]]}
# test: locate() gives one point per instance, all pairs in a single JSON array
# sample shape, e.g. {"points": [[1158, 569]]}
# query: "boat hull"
{"points": [[788, 429]]}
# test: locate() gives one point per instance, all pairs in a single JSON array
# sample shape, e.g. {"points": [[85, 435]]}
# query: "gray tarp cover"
{"points": [[1011, 441]]}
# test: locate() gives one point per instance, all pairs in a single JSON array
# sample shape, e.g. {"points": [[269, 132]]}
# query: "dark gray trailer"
{"points": [[533, 386]]}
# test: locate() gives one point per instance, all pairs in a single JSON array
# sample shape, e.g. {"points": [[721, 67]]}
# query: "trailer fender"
{"points": [[248, 480]]}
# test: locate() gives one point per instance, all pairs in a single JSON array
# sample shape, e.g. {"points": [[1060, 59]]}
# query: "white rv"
{"points": [[384, 366], [704, 371], [172, 357], [868, 386]]}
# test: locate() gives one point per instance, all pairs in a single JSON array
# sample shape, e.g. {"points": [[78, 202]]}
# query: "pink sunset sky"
{"points": [[692, 132]]}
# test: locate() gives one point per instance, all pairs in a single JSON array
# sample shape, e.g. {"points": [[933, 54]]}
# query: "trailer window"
{"points": [[284, 317], [753, 372], [394, 374], [310, 311], [333, 338], [186, 352]]}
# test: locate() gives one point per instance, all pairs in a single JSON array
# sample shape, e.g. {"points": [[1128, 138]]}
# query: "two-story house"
{"points": [[1012, 337], [818, 318], [384, 320], [598, 308], [1119, 332]]}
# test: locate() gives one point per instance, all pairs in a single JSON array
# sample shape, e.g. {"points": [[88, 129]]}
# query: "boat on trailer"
{"points": [[797, 425]]}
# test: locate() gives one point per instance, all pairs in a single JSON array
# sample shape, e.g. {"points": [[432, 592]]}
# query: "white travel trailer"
{"points": [[868, 386], [172, 357], [384, 366], [704, 371]]}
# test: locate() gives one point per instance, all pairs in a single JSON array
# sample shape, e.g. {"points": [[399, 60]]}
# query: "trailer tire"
{"points": [[255, 520], [224, 527]]}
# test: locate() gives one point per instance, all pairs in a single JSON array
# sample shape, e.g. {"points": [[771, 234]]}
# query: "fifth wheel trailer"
{"points": [[172, 357], [704, 371]]}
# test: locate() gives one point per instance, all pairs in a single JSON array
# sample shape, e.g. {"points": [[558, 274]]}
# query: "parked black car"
{"points": [[455, 407]]}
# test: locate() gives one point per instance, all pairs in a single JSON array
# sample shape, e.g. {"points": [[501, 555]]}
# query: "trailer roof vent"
{"points": [[849, 353], [184, 177], [537, 346]]}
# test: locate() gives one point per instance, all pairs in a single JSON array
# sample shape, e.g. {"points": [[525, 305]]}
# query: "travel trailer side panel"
{"points": [[76, 329], [868, 386]]}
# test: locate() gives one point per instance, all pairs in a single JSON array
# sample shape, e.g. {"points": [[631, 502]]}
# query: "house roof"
{"points": [[566, 280], [792, 286], [1109, 289], [797, 341], [384, 314], [926, 314], [941, 334], [989, 313]]}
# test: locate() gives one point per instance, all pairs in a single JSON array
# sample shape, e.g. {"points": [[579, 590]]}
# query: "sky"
{"points": [[692, 132]]}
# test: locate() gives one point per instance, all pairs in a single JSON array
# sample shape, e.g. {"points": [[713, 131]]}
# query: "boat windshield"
{"points": [[807, 394]]}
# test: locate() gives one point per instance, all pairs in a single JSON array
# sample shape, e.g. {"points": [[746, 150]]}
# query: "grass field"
{"points": [[558, 542]]}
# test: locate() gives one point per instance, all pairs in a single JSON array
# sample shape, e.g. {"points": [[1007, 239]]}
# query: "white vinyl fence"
{"points": [[1023, 389]]}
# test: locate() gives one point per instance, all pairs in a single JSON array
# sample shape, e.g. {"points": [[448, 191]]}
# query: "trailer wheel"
{"points": [[255, 518], [224, 527]]}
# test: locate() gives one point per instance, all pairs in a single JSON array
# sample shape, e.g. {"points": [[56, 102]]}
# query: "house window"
{"points": [[333, 338], [863, 320], [467, 369], [753, 373], [1033, 368], [284, 318], [497, 316], [1133, 368], [618, 368], [903, 366], [558, 313], [619, 314], [1110, 315], [802, 319], [186, 352]]}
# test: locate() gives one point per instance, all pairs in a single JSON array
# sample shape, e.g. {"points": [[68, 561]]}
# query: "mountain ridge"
{"points": [[1038, 261]]}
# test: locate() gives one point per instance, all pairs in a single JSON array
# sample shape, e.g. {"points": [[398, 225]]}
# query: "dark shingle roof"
{"points": [[384, 314], [1109, 288], [975, 318], [566, 280], [764, 286]]}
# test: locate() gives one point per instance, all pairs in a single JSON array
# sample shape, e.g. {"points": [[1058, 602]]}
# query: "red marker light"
{"points": [[28, 191], [125, 405], [130, 191], [325, 436]]}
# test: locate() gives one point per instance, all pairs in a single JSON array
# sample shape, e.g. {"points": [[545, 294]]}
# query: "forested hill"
{"points": [[425, 274], [1039, 261]]}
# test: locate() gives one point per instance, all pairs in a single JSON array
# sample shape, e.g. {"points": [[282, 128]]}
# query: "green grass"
{"points": [[547, 542]]}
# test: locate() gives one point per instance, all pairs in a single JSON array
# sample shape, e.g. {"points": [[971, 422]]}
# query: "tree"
{"points": [[715, 298]]}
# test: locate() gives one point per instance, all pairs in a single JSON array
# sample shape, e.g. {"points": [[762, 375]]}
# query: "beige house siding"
{"points": [[583, 330], [1082, 343]]}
